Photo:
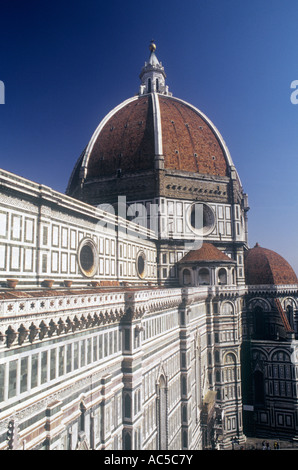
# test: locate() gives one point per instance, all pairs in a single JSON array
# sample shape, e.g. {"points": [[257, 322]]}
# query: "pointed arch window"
{"points": [[127, 440], [127, 406], [162, 413], [259, 394], [289, 312], [259, 323], [82, 416], [198, 369]]}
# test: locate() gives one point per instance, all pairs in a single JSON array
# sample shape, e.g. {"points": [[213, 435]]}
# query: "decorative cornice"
{"points": [[24, 321]]}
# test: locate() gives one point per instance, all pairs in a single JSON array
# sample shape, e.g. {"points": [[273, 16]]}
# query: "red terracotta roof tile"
{"points": [[127, 142], [207, 252], [189, 143]]}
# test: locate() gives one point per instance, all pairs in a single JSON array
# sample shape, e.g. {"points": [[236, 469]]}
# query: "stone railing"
{"points": [[191, 294], [36, 315], [29, 316], [39, 302], [278, 289]]}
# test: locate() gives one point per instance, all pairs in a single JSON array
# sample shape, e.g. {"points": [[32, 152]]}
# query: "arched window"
{"points": [[227, 308], [127, 406], [184, 440], [259, 394], [259, 323], [184, 413], [204, 276], [289, 312], [184, 386], [222, 276], [217, 357], [127, 440], [82, 417], [186, 277], [157, 85], [149, 85], [198, 378], [230, 368], [162, 413]]}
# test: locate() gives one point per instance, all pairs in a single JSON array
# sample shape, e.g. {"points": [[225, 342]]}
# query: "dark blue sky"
{"points": [[65, 64]]}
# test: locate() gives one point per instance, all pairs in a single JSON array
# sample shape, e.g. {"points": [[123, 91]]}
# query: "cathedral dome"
{"points": [[263, 266], [152, 130]]}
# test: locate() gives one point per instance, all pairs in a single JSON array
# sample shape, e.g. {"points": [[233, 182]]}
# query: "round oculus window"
{"points": [[201, 218], [88, 257], [141, 264]]}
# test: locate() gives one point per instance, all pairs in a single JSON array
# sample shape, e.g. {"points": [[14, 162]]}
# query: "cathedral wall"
{"points": [[271, 400], [171, 219], [101, 382], [43, 235], [175, 219]]}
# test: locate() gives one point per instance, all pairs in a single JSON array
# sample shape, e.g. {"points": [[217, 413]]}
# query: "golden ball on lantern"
{"points": [[152, 47]]}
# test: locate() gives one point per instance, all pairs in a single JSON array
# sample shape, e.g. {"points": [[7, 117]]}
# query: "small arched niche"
{"points": [[222, 277], [204, 277], [186, 277]]}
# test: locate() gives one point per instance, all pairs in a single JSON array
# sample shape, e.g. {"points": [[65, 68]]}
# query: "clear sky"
{"points": [[65, 64]]}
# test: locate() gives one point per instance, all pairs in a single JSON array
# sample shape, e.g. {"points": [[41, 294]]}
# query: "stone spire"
{"points": [[153, 75]]}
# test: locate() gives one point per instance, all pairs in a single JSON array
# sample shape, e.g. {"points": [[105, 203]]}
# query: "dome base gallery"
{"points": [[134, 314]]}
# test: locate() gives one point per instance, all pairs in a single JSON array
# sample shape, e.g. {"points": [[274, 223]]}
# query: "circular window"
{"points": [[201, 218], [141, 264], [87, 257]]}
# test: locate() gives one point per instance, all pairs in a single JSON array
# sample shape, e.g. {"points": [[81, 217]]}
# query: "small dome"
{"points": [[263, 266], [207, 252]]}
